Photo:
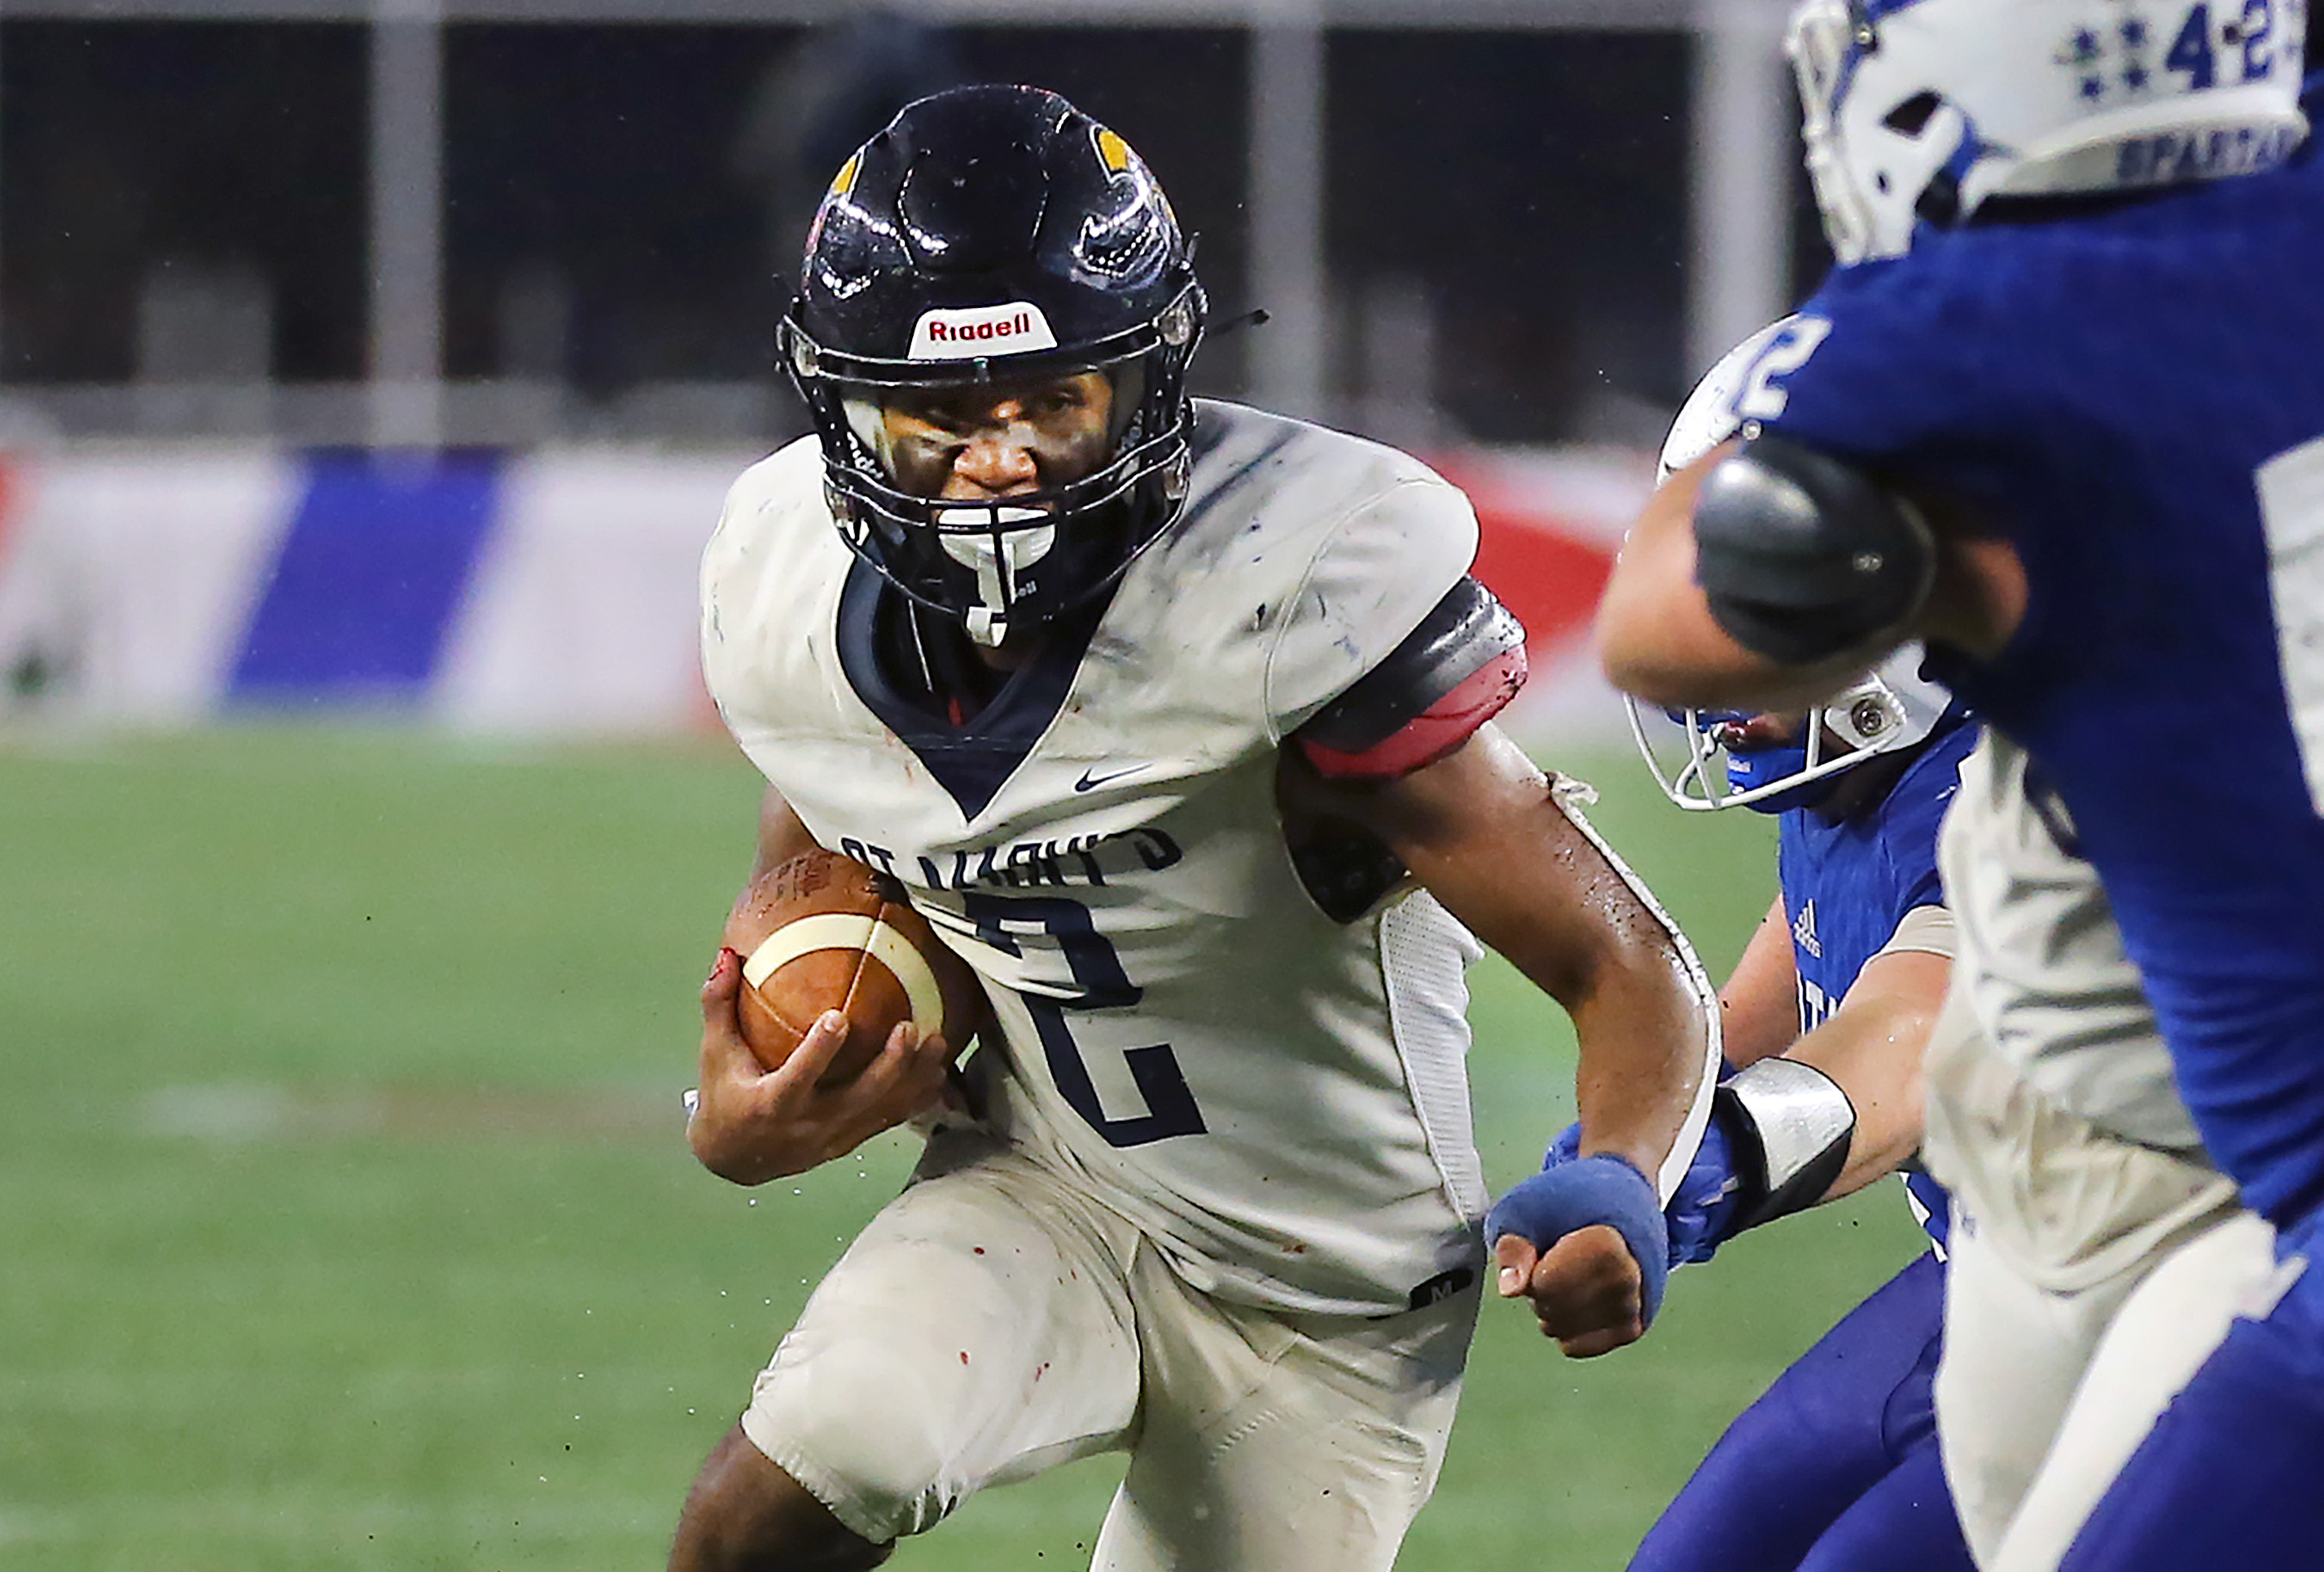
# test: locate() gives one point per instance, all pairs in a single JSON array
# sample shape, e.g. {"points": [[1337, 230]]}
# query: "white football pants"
{"points": [[992, 1322], [2089, 1276]]}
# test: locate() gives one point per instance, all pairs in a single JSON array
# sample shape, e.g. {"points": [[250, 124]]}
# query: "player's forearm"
{"points": [[1643, 1015], [1485, 832], [1979, 596], [1645, 1061], [1881, 1073], [1759, 1009], [1657, 639], [1872, 1048]]}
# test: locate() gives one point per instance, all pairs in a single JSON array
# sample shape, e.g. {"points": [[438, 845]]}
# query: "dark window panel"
{"points": [[622, 198], [130, 144], [1535, 183], [605, 157]]}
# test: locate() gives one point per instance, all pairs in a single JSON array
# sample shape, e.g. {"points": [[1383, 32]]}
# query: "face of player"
{"points": [[978, 441], [1748, 734], [1765, 749]]}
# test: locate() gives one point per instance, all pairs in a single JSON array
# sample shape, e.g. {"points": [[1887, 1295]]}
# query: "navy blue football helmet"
{"points": [[997, 234]]}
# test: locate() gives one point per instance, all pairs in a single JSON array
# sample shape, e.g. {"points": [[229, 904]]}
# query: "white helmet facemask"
{"points": [[1869, 178], [1891, 708]]}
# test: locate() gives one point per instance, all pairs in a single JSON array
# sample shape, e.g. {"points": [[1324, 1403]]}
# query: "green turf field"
{"points": [[345, 1221]]}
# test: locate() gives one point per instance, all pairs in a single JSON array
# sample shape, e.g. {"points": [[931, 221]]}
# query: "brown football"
{"points": [[820, 932]]}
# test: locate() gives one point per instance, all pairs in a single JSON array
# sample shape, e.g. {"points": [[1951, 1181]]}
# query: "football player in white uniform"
{"points": [[1175, 719]]}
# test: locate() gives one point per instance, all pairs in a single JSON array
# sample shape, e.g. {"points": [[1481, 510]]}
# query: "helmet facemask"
{"points": [[999, 564], [1707, 760], [1876, 174]]}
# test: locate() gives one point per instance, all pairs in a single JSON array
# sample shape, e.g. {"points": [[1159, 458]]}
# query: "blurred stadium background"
{"points": [[369, 377]]}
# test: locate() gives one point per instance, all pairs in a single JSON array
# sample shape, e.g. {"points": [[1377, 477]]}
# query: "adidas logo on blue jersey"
{"points": [[1803, 932]]}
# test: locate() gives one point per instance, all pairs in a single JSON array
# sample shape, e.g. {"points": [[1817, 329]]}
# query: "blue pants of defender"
{"points": [[1834, 1469], [2231, 1478]]}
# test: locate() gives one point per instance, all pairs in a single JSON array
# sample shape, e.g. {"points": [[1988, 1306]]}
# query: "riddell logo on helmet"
{"points": [[977, 330]]}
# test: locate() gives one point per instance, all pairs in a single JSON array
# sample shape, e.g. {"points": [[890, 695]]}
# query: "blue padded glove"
{"points": [[1699, 1214], [1583, 1191], [1703, 1211], [1565, 1148]]}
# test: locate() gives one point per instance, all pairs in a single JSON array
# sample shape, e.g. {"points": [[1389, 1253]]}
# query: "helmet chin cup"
{"points": [[1014, 541], [987, 628]]}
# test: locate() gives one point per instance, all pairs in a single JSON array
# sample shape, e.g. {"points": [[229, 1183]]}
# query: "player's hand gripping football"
{"points": [[754, 1125]]}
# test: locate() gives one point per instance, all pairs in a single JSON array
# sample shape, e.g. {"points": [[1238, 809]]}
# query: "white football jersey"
{"points": [[1277, 1099], [2046, 974]]}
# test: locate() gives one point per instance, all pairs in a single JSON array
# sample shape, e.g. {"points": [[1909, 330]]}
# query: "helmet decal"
{"points": [[980, 331]]}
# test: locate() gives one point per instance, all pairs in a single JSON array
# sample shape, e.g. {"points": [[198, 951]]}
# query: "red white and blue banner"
{"points": [[551, 590]]}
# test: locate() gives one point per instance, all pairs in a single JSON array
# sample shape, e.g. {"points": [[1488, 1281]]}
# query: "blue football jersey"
{"points": [[2133, 391], [1848, 883]]}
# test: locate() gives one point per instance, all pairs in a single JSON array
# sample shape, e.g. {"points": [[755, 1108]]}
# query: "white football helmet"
{"points": [[1712, 759], [1729, 393], [1922, 109]]}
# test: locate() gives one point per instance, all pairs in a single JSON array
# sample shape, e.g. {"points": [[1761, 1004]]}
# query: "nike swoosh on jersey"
{"points": [[1091, 781]]}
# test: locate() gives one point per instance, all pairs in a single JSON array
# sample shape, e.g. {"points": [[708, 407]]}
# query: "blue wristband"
{"points": [[1581, 1194], [1701, 1214]]}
